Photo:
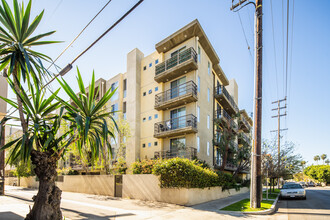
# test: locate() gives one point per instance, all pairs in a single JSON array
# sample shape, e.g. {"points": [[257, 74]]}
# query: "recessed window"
{"points": [[156, 61], [156, 89], [198, 84], [150, 91], [144, 94], [145, 67], [198, 113], [143, 145], [156, 143], [208, 148], [149, 118], [144, 119], [199, 54], [150, 64], [208, 68], [198, 147], [156, 116], [149, 144]]}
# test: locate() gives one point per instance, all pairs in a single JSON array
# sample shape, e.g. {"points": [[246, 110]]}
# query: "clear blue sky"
{"points": [[153, 20]]}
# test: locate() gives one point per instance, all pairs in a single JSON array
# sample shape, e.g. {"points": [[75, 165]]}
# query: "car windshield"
{"points": [[292, 186]]}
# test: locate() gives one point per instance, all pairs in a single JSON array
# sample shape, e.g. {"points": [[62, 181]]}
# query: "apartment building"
{"points": [[173, 97]]}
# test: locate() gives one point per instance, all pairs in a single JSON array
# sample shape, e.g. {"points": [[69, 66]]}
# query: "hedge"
{"points": [[144, 166]]}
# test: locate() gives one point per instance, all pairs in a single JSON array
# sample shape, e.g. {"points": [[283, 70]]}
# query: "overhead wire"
{"points": [[247, 43], [276, 71]]}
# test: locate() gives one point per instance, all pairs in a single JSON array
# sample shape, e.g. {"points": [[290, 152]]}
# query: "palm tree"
{"points": [[16, 56], [317, 158], [45, 145], [323, 157], [327, 161]]}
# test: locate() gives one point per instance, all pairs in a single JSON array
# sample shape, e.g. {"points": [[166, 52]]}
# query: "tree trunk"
{"points": [[47, 201], [224, 162]]}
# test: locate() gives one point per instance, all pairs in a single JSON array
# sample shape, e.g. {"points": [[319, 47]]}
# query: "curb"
{"points": [[267, 211]]}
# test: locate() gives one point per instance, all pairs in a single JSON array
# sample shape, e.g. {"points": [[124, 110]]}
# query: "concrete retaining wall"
{"points": [[142, 186], [146, 187]]}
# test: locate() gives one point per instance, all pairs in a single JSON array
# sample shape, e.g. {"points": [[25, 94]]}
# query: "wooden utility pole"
{"points": [[256, 184], [278, 116]]}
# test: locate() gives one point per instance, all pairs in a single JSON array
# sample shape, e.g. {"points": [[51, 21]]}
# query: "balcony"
{"points": [[244, 125], [225, 99], [177, 65], [176, 126], [223, 118], [188, 152], [180, 95], [230, 166], [243, 138]]}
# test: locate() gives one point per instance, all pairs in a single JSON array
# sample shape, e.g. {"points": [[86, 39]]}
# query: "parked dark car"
{"points": [[311, 184]]}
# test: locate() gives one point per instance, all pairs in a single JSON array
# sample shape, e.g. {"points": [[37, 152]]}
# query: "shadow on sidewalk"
{"points": [[96, 217], [10, 216]]}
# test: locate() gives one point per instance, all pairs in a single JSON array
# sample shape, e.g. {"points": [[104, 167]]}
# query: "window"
{"points": [[208, 148], [144, 119], [149, 118], [198, 113], [198, 146], [208, 121], [114, 109], [156, 61], [208, 68], [177, 144], [156, 143], [198, 84], [208, 94], [199, 54], [150, 91], [178, 51], [124, 110], [143, 145], [149, 144], [125, 87], [156, 116], [150, 64], [144, 94], [145, 67], [116, 94], [156, 89]]}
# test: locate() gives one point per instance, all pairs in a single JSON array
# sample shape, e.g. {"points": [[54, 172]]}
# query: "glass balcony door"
{"points": [[178, 87], [178, 119], [177, 146]]}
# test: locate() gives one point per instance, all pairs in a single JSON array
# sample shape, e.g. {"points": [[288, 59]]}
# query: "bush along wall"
{"points": [[184, 173]]}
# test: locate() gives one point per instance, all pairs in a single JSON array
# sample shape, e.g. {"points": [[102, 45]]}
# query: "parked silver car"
{"points": [[292, 191]]}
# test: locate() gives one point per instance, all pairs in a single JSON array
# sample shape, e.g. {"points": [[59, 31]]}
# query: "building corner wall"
{"points": [[134, 59]]}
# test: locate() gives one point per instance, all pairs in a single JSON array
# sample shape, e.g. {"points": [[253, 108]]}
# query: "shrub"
{"points": [[179, 172], [144, 166]]}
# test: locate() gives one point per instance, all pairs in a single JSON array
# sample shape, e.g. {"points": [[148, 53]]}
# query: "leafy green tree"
{"points": [[318, 172], [317, 158], [323, 157], [327, 161], [45, 145], [16, 55]]}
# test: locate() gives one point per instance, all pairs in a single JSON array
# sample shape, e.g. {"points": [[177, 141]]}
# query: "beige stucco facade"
{"points": [[168, 97]]}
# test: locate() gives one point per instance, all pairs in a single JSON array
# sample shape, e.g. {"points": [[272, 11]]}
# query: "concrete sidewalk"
{"points": [[15, 205]]}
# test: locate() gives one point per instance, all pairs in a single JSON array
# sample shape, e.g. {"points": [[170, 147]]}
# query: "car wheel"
{"points": [[304, 198]]}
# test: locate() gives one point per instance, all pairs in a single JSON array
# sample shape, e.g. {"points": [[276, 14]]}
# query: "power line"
{"points": [[247, 43], [271, 10], [287, 48]]}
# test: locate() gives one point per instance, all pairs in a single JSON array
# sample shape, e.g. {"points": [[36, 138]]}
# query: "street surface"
{"points": [[15, 206]]}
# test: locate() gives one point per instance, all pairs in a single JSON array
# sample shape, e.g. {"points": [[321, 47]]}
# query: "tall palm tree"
{"points": [[317, 158], [323, 157], [16, 56], [45, 145]]}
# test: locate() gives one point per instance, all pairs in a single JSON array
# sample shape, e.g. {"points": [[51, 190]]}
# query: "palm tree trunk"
{"points": [[19, 101], [224, 162], [47, 202]]}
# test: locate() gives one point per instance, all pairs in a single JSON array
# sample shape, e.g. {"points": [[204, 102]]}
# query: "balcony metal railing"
{"points": [[181, 57], [246, 124], [221, 113], [244, 137], [175, 124], [222, 90], [230, 166], [187, 152], [181, 90]]}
